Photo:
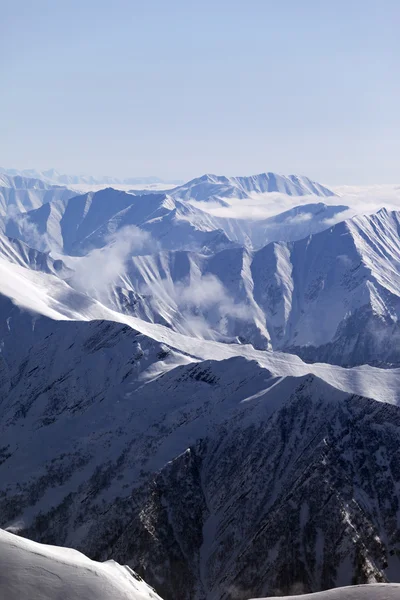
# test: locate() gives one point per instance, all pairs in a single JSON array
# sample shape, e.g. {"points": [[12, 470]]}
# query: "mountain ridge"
{"points": [[210, 187]]}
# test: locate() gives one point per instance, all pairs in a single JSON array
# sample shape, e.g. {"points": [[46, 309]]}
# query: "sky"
{"points": [[178, 88]]}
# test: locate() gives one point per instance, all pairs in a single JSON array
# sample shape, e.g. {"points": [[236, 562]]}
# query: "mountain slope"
{"points": [[186, 475], [332, 297], [29, 293], [344, 290], [31, 570]]}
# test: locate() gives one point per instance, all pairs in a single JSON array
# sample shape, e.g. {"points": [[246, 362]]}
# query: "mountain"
{"points": [[335, 295], [277, 297], [217, 187], [90, 220], [201, 188], [20, 194], [199, 477], [149, 416], [213, 470], [31, 570], [330, 297], [54, 177], [87, 221]]}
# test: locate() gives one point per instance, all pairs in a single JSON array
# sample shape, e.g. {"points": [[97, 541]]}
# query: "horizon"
{"points": [[180, 181], [135, 89]]}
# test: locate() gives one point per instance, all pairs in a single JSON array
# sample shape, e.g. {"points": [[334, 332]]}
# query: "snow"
{"points": [[30, 570], [375, 591]]}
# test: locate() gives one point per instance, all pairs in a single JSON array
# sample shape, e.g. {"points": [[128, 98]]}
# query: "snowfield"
{"points": [[357, 592], [37, 571]]}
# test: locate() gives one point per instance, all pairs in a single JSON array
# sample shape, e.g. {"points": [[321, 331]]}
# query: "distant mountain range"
{"points": [[55, 178], [175, 223]]}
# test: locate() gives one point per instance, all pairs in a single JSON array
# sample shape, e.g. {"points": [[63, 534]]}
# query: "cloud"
{"points": [[208, 292], [297, 219], [28, 231], [202, 304], [96, 272], [359, 199]]}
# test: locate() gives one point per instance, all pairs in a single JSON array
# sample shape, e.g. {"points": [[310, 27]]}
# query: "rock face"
{"points": [[296, 502]]}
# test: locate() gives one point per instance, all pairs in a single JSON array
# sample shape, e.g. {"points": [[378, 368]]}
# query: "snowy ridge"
{"points": [[31, 570], [388, 591], [214, 187]]}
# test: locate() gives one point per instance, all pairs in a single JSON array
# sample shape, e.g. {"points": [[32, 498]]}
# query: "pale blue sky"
{"points": [[177, 88]]}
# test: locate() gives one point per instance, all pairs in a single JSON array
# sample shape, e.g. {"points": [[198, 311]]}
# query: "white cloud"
{"points": [[98, 270], [30, 234], [201, 304], [359, 199]]}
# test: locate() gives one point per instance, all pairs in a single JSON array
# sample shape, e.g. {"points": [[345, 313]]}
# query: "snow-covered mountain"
{"points": [[20, 194], [54, 177], [217, 187], [332, 297], [201, 188], [213, 470], [30, 570], [144, 417], [193, 493], [88, 221]]}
